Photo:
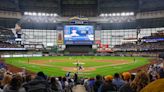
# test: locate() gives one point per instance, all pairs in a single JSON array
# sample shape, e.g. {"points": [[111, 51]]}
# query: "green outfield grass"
{"points": [[54, 68]]}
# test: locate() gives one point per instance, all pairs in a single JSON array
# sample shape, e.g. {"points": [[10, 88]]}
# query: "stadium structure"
{"points": [[87, 37], [46, 25]]}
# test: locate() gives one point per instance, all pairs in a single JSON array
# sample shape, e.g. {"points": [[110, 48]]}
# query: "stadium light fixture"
{"points": [[39, 14], [106, 15], [43, 14], [131, 13], [127, 14], [102, 15], [110, 14], [55, 14], [51, 14], [47, 14], [34, 13], [30, 13], [117, 14], [25, 13], [113, 14], [123, 14]]}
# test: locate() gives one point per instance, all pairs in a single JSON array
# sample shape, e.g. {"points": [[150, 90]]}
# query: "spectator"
{"points": [[39, 84], [71, 84], [76, 78], [55, 86], [107, 86], [65, 84], [68, 74], [117, 81], [59, 80], [86, 83], [6, 80], [15, 85], [28, 78], [97, 83], [161, 73], [91, 82], [156, 86], [128, 78], [8, 45], [140, 81]]}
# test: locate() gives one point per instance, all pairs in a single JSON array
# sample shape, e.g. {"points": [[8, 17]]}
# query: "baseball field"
{"points": [[91, 65]]}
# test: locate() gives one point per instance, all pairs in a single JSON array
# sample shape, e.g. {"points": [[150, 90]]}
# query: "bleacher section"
{"points": [[155, 42], [7, 40], [6, 34]]}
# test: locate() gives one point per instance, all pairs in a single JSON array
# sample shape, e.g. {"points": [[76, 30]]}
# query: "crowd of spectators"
{"points": [[136, 53], [8, 45], [149, 46], [123, 82], [125, 47], [6, 34]]}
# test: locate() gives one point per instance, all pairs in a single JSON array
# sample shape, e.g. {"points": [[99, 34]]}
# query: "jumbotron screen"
{"points": [[79, 34]]}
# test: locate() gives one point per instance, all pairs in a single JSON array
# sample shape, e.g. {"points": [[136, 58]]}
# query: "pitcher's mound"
{"points": [[74, 69]]}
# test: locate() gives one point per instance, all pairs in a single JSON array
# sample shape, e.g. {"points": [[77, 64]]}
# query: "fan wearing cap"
{"points": [[107, 86]]}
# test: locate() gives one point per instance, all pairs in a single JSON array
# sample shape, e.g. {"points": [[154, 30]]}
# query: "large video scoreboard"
{"points": [[78, 34]]}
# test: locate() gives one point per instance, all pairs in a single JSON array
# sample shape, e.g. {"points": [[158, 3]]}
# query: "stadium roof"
{"points": [[144, 11], [81, 7]]}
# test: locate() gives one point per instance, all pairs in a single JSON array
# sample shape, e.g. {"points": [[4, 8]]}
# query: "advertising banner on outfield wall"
{"points": [[104, 48], [60, 37]]}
